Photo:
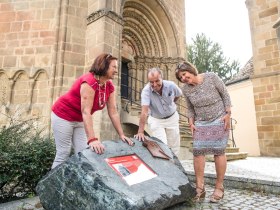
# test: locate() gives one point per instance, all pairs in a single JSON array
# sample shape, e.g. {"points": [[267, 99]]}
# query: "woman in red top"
{"points": [[71, 114]]}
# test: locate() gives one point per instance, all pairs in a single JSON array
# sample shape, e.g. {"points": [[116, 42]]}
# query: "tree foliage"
{"points": [[208, 56]]}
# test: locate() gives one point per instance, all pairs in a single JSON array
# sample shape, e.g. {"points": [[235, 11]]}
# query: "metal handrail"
{"points": [[231, 129]]}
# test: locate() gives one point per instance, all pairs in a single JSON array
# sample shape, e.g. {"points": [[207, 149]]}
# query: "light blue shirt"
{"points": [[161, 106]]}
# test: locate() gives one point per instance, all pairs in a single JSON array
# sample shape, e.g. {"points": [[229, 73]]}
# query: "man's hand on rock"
{"points": [[140, 136]]}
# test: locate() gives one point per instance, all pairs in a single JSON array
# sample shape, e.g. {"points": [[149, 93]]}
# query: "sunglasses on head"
{"points": [[181, 66], [108, 56]]}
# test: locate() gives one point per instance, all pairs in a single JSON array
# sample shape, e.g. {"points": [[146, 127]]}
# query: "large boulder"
{"points": [[86, 181]]}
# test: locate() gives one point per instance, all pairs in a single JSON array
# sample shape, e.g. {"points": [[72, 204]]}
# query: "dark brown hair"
{"points": [[185, 66], [101, 64]]}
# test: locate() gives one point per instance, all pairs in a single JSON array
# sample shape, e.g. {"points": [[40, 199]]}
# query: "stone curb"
{"points": [[256, 185]]}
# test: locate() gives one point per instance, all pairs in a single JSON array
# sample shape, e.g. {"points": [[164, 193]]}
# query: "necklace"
{"points": [[101, 95]]}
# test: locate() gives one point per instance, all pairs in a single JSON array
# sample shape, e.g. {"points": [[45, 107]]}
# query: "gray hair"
{"points": [[154, 70]]}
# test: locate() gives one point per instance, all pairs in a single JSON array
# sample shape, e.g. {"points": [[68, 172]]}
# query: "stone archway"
{"points": [[148, 40]]}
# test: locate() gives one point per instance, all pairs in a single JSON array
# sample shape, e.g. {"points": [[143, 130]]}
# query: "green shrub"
{"points": [[25, 157]]}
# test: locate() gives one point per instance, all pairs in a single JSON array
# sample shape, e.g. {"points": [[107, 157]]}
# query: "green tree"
{"points": [[208, 56]]}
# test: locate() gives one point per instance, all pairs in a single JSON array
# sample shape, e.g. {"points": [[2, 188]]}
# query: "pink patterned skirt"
{"points": [[210, 138]]}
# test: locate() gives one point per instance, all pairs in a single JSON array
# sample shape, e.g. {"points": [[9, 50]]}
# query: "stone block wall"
{"points": [[46, 44], [27, 45], [42, 51], [263, 14]]}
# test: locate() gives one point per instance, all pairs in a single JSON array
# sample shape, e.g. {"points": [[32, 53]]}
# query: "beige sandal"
{"points": [[200, 194], [216, 198]]}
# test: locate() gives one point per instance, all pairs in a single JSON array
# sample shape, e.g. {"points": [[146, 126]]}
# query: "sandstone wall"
{"points": [[266, 79], [46, 44]]}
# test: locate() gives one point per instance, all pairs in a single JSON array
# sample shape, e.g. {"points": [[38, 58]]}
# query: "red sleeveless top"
{"points": [[68, 106]]}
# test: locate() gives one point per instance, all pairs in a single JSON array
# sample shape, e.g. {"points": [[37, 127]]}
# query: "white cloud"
{"points": [[223, 21]]}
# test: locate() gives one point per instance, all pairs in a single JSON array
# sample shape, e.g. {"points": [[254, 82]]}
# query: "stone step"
{"points": [[228, 149], [232, 150], [135, 113], [185, 137], [184, 123], [230, 156], [184, 132], [185, 144], [135, 107]]}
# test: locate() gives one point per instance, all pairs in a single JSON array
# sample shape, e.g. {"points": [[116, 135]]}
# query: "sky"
{"points": [[223, 21]]}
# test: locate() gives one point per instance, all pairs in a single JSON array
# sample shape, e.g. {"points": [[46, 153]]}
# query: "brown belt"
{"points": [[168, 116]]}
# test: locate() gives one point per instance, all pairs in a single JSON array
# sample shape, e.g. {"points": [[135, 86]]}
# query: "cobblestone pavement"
{"points": [[236, 199]]}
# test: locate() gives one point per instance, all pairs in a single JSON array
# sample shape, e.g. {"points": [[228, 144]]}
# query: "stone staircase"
{"points": [[185, 133], [232, 153]]}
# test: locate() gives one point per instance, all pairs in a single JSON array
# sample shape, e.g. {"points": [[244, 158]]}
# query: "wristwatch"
{"points": [[228, 112]]}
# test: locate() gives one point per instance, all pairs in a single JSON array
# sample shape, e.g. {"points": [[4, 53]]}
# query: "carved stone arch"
{"points": [[146, 18], [165, 23], [152, 23], [146, 44], [18, 74], [129, 49], [38, 106], [19, 94], [39, 84], [172, 29], [38, 72], [129, 35], [153, 28], [139, 30], [135, 20]]}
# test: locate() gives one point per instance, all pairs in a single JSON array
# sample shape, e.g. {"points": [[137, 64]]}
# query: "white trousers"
{"points": [[67, 135], [167, 130]]}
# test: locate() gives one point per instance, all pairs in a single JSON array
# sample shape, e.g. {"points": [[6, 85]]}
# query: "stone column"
{"points": [[132, 83], [103, 35]]}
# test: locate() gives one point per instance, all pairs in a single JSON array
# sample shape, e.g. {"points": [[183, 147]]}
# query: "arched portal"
{"points": [[149, 39]]}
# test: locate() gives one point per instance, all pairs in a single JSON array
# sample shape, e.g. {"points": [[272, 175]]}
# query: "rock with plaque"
{"points": [[124, 177]]}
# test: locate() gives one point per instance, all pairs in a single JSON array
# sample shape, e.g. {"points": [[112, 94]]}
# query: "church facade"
{"points": [[45, 45]]}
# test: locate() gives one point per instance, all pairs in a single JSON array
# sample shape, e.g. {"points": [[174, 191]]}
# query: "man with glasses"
{"points": [[158, 99]]}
